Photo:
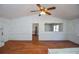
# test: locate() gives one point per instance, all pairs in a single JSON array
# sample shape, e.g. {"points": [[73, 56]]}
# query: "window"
{"points": [[55, 27]]}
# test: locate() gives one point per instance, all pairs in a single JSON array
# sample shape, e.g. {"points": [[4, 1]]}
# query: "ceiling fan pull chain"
{"points": [[39, 14]]}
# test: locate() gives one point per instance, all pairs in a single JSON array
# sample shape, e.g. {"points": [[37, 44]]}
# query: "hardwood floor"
{"points": [[27, 47], [30, 47], [22, 47], [35, 39]]}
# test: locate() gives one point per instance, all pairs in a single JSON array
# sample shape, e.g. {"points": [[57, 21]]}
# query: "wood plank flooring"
{"points": [[27, 47], [34, 47]]}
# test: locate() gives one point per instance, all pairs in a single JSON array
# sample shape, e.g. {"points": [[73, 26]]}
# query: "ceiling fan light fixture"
{"points": [[42, 13]]}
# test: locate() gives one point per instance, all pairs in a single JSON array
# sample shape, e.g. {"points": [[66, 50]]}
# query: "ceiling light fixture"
{"points": [[42, 13]]}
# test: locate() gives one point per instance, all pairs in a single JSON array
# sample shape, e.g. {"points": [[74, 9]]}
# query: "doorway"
{"points": [[35, 33], [1, 34]]}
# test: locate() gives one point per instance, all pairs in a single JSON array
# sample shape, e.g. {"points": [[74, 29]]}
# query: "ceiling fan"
{"points": [[43, 10]]}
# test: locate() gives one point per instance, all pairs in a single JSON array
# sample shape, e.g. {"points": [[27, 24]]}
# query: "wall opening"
{"points": [[35, 33]]}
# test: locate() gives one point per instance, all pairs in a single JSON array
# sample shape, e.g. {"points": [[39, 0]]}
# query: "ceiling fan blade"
{"points": [[38, 5], [34, 10], [48, 13], [51, 8]]}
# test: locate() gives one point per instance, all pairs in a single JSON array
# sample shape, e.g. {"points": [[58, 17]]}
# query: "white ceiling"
{"points": [[65, 11]]}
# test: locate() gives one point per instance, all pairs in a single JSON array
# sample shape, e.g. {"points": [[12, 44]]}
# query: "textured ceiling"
{"points": [[65, 11]]}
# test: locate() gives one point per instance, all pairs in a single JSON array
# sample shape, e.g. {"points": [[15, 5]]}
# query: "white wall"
{"points": [[21, 28], [3, 24], [74, 31], [50, 35], [77, 31]]}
